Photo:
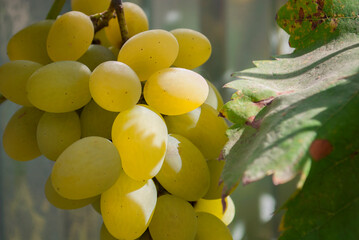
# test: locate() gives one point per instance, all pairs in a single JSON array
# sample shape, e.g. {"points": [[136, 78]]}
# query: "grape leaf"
{"points": [[327, 207], [313, 22], [302, 92]]}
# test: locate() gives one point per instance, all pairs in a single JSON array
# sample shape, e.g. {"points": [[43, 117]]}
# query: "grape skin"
{"points": [[70, 36]]}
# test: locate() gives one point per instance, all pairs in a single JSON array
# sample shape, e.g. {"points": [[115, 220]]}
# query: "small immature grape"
{"points": [[115, 86], [194, 48], [175, 91], [70, 36]]}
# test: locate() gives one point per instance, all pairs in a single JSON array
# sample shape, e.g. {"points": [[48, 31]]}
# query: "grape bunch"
{"points": [[130, 127]]}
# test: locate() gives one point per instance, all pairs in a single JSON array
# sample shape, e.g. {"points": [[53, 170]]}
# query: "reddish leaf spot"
{"points": [[264, 102], [320, 148], [253, 122]]}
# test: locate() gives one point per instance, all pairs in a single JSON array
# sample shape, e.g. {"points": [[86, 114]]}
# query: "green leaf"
{"points": [[327, 207], [310, 89], [312, 22]]}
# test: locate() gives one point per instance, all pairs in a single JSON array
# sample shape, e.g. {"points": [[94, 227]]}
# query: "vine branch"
{"points": [[55, 9], [100, 20]]}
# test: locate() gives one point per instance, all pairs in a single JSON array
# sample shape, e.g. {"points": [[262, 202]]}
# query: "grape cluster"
{"points": [[137, 136]]}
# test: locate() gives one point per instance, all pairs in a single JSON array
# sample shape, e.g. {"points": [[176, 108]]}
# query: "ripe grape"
{"points": [[140, 136], [214, 98], [174, 219], [149, 51], [63, 203], [184, 172], [19, 139], [136, 21], [175, 91], [86, 168], [30, 43], [105, 235], [115, 86], [127, 207], [211, 228], [13, 80], [216, 187], [96, 121], [194, 48], [56, 131], [60, 87], [195, 126], [95, 55], [70, 36], [215, 207], [90, 7]]}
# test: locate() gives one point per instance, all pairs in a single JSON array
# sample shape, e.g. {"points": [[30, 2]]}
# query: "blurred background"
{"points": [[240, 31]]}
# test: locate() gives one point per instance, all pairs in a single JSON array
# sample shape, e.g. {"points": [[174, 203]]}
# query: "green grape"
{"points": [[174, 219], [128, 206], [13, 80], [30, 43], [63, 203], [19, 139], [149, 51], [90, 7], [216, 187], [95, 55], [114, 50], [215, 208], [103, 40], [136, 21], [145, 236], [57, 131], [214, 98], [96, 121], [140, 136], [60, 87], [184, 172], [70, 36], [211, 228], [194, 48], [104, 234], [86, 168], [175, 91], [115, 86], [195, 126], [96, 205]]}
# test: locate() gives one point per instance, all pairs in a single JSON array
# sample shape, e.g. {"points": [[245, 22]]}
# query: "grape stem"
{"points": [[100, 20], [55, 9]]}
